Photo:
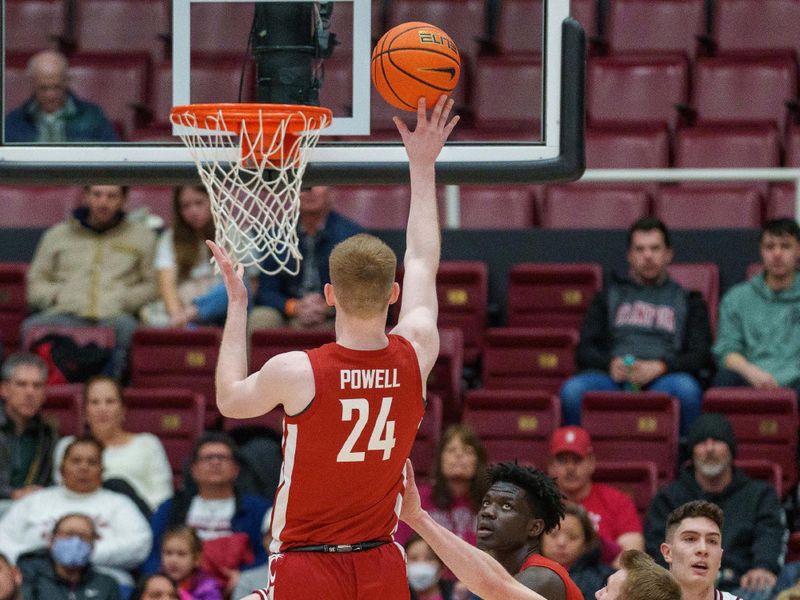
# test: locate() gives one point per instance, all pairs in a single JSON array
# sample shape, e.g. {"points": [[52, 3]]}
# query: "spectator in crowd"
{"points": [[123, 539], [181, 555], [10, 580], [297, 299], [758, 340], [575, 545], [156, 587], [613, 513], [230, 524], [643, 331], [54, 114], [755, 535], [425, 571], [94, 269], [26, 441], [137, 458], [190, 290], [640, 578], [692, 548], [459, 482], [63, 570], [253, 578]]}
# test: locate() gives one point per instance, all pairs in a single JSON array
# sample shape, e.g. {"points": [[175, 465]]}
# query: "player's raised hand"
{"points": [[411, 509], [232, 275], [425, 142]]}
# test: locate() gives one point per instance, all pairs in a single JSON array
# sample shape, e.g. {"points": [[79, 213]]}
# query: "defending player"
{"points": [[353, 407]]}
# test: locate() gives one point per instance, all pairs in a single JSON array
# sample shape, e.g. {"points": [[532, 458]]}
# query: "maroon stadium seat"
{"points": [[513, 424], [755, 26], [17, 86], [157, 199], [585, 13], [266, 343], [551, 294], [53, 205], [219, 27], [122, 26], [792, 146], [728, 146], [336, 92], [105, 337], [640, 424], [636, 89], [183, 358], [765, 470], [33, 25], [496, 207], [705, 207], [781, 201], [520, 26], [753, 269], [423, 452], [273, 420], [582, 206], [655, 26], [13, 304], [63, 408], [175, 415], [641, 147], [703, 278], [444, 380], [118, 82], [764, 422], [507, 93], [375, 207], [638, 479], [528, 358], [743, 89]]}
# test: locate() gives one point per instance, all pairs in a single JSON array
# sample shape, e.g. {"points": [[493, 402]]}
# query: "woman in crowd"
{"points": [[137, 458], [425, 572], [156, 587]]}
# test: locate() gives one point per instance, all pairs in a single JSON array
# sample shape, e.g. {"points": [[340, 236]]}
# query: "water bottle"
{"points": [[629, 360]]}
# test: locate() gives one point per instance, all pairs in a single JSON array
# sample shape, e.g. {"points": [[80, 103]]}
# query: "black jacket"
{"points": [[692, 341], [588, 573], [754, 534], [40, 471], [40, 582]]}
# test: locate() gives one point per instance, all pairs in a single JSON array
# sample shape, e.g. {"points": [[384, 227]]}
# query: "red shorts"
{"points": [[376, 573]]}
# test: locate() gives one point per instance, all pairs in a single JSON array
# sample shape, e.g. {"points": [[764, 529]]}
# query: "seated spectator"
{"points": [[758, 341], [156, 587], [254, 578], [572, 464], [26, 441], [230, 524], [54, 114], [10, 580], [459, 482], [123, 539], [425, 572], [63, 570], [297, 300], [94, 269], [643, 331], [181, 555], [137, 458], [754, 537], [190, 290], [575, 545]]}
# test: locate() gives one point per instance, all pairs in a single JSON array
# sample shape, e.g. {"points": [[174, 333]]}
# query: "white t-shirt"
{"points": [[211, 518], [719, 595], [165, 257], [142, 462]]}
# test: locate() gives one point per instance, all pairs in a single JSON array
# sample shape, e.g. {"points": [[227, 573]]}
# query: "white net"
{"points": [[252, 166]]}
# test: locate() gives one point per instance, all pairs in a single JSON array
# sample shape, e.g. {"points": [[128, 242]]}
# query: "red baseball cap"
{"points": [[571, 439]]}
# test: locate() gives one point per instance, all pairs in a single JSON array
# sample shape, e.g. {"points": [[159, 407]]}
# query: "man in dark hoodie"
{"points": [[759, 320], [755, 534], [63, 570], [96, 268], [643, 331]]}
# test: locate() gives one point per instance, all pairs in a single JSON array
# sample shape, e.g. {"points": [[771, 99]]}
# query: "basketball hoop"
{"points": [[251, 159]]}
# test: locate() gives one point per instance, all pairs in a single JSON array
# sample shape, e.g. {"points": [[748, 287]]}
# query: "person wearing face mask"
{"points": [[424, 571], [755, 530], [63, 570]]}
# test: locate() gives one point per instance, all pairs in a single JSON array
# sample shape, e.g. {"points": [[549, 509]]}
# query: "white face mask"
{"points": [[422, 575]]}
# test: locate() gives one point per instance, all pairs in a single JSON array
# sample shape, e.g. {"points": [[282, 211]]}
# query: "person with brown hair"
{"points": [[640, 578], [459, 482], [352, 407]]}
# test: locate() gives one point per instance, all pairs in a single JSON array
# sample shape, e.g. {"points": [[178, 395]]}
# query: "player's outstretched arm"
{"points": [[419, 310], [482, 574]]}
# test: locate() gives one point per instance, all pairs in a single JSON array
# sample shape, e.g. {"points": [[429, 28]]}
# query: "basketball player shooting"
{"points": [[352, 407]]}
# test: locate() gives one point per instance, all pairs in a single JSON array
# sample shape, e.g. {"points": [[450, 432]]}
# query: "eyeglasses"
{"points": [[210, 457]]}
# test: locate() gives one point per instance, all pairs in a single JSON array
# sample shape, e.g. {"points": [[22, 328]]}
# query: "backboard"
{"points": [[521, 94]]}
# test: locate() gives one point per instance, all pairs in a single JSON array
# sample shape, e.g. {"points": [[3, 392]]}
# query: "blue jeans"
{"points": [[682, 386], [212, 307]]}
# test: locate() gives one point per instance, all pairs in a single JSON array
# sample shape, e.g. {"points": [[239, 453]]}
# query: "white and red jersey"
{"points": [[718, 595], [342, 479]]}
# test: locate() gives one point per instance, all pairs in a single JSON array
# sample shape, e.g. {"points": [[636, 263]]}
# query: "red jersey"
{"points": [[342, 479], [537, 560]]}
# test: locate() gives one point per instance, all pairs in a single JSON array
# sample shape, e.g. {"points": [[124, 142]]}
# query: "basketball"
{"points": [[413, 60]]}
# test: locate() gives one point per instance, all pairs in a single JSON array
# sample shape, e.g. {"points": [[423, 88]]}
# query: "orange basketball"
{"points": [[414, 60]]}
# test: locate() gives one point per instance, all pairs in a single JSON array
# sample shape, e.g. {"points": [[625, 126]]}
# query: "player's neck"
{"points": [[361, 334], [513, 560]]}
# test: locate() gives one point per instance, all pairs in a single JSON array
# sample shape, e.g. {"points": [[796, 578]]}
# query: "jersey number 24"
{"points": [[382, 436]]}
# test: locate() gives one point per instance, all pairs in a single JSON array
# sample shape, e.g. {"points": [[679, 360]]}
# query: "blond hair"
{"points": [[362, 271], [646, 580]]}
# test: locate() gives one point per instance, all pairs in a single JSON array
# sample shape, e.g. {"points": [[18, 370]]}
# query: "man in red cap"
{"points": [[612, 511]]}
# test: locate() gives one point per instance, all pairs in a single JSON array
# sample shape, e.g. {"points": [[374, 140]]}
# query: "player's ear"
{"points": [[395, 293], [330, 297], [666, 552]]}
